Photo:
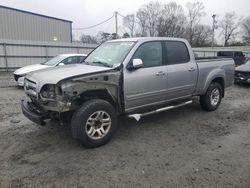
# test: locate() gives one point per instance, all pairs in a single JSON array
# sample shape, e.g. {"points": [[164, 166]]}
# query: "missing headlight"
{"points": [[48, 91]]}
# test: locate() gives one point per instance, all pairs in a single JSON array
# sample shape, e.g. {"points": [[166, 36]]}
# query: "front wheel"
{"points": [[211, 100], [94, 124]]}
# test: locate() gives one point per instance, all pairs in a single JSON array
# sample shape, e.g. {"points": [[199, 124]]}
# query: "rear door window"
{"points": [[177, 52]]}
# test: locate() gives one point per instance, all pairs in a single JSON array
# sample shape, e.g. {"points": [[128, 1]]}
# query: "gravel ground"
{"points": [[184, 147], [7, 79]]}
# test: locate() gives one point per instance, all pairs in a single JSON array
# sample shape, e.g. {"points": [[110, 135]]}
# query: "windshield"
{"points": [[248, 62], [54, 60], [109, 54]]}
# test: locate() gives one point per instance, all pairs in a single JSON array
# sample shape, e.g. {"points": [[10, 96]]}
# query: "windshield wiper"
{"points": [[87, 63], [102, 63]]}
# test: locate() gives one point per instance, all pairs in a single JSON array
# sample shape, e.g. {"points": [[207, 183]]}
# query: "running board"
{"points": [[137, 117]]}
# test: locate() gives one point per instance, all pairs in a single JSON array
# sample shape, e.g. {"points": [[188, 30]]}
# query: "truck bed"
{"points": [[210, 66]]}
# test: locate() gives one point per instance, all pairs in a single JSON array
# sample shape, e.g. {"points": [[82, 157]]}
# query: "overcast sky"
{"points": [[85, 13]]}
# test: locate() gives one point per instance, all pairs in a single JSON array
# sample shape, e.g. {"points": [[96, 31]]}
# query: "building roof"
{"points": [[32, 13]]}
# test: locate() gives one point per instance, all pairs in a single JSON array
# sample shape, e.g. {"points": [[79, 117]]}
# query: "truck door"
{"points": [[182, 70], [147, 85]]}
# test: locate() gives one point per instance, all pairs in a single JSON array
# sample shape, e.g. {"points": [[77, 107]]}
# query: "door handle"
{"points": [[191, 69], [160, 73]]}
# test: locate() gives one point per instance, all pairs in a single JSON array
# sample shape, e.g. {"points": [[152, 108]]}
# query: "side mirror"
{"points": [[137, 63], [60, 64]]}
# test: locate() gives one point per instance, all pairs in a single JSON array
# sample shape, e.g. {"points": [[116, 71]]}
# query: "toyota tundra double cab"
{"points": [[131, 77]]}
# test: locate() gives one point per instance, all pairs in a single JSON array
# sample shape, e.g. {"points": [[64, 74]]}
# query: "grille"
{"points": [[30, 88], [242, 74]]}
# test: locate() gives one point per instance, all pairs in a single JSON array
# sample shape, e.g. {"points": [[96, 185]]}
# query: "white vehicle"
{"points": [[63, 59]]}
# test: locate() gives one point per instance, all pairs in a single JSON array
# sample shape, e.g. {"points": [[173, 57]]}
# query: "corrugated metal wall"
{"points": [[20, 25], [15, 54]]}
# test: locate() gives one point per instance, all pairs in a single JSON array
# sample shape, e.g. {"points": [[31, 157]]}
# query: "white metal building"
{"points": [[18, 24]]}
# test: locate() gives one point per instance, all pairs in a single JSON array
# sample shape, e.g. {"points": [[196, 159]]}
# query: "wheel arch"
{"points": [[216, 75], [221, 81], [103, 94]]}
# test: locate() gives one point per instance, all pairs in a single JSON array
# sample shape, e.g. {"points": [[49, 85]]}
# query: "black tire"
{"points": [[82, 115], [205, 100]]}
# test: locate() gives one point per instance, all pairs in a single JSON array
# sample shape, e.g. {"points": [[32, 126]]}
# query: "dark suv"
{"points": [[238, 56]]}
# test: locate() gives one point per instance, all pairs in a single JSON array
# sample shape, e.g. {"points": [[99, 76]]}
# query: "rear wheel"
{"points": [[94, 124], [212, 99]]}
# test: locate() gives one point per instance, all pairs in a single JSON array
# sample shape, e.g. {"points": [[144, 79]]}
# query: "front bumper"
{"points": [[19, 80], [32, 113], [241, 80]]}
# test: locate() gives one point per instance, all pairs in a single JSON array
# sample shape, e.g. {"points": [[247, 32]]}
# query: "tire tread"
{"points": [[81, 115], [205, 99]]}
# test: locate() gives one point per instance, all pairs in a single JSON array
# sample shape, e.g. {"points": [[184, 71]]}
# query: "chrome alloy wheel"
{"points": [[215, 97], [98, 125]]}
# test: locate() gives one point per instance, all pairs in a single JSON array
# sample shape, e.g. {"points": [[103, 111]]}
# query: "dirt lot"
{"points": [[185, 147]]}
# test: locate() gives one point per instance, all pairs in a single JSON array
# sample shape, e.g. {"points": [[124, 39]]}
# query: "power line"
{"points": [[125, 16], [104, 21], [82, 28], [120, 14]]}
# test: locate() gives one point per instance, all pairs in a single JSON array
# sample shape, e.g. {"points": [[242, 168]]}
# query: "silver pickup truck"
{"points": [[132, 77]]}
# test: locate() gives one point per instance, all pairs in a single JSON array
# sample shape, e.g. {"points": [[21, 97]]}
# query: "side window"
{"points": [[227, 54], [238, 54], [177, 52], [70, 60], [80, 59], [150, 53]]}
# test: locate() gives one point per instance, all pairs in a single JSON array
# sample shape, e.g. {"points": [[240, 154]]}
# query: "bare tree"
{"points": [[129, 22], [246, 30], [148, 16], [153, 9], [141, 16], [171, 21], [228, 27], [157, 19], [202, 36], [195, 12], [88, 39]]}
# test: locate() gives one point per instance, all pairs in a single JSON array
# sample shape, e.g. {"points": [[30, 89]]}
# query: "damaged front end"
{"points": [[53, 101]]}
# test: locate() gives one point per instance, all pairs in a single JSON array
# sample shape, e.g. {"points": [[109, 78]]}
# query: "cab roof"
{"points": [[68, 55], [144, 39]]}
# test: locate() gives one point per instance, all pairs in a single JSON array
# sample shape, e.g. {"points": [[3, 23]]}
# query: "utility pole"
{"points": [[116, 26], [213, 28]]}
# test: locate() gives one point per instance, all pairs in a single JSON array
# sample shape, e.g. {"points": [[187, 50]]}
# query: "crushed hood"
{"points": [[55, 74]]}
